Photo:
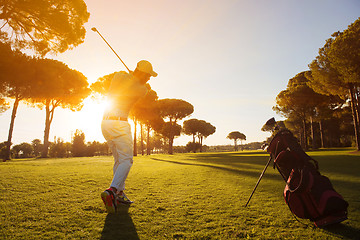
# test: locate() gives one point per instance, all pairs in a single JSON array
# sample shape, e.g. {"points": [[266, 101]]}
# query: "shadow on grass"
{"points": [[252, 165], [233, 159], [119, 225], [232, 167], [343, 231]]}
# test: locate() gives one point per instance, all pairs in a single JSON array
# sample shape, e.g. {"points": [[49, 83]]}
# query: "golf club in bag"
{"points": [[308, 194]]}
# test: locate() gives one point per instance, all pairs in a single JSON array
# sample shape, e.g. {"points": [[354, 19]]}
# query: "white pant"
{"points": [[118, 136]]}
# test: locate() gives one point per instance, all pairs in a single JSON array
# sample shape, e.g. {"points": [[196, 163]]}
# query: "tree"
{"points": [[191, 127], [57, 86], [198, 128], [336, 70], [206, 129], [78, 148], [43, 25], [236, 136], [96, 148], [157, 142], [16, 75], [59, 149], [298, 101], [37, 146], [170, 130], [173, 110]]}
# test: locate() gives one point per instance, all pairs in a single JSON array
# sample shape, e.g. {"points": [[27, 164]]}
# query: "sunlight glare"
{"points": [[90, 117]]}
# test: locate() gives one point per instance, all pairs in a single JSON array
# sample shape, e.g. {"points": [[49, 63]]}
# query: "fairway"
{"points": [[183, 196]]}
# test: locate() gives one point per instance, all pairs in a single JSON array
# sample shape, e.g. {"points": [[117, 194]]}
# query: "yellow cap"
{"points": [[146, 67]]}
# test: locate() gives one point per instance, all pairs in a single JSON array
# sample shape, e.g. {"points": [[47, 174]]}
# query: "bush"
{"points": [[59, 149], [192, 147], [23, 150]]}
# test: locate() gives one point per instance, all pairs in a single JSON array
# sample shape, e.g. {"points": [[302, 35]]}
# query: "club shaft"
{"points": [[112, 49], [262, 174]]}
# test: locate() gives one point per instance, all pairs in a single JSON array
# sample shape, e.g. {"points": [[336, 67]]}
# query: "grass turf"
{"points": [[184, 196]]}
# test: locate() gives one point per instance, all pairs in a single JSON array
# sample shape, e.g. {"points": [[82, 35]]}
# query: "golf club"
{"points": [[262, 174], [270, 124], [95, 30]]}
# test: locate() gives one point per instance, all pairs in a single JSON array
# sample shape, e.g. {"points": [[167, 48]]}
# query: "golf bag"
{"points": [[308, 194]]}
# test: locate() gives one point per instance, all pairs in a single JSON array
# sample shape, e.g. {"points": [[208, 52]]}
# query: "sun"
{"points": [[89, 118], [94, 107]]}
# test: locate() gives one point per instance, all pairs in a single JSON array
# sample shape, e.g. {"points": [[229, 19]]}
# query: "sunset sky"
{"points": [[228, 58]]}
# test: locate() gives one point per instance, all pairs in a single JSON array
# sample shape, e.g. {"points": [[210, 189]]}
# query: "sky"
{"points": [[228, 58]]}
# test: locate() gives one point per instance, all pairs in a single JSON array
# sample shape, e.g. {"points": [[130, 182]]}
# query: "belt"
{"points": [[114, 118]]}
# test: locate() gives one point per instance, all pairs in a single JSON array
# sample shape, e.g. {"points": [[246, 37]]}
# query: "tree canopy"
{"points": [[191, 127], [175, 109], [344, 53], [43, 25], [299, 102], [102, 84]]}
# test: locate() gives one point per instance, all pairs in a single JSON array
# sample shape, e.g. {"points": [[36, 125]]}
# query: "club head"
{"points": [[94, 29], [270, 122], [270, 125], [264, 146]]}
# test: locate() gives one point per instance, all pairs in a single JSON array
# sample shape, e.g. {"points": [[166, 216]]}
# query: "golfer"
{"points": [[124, 91]]}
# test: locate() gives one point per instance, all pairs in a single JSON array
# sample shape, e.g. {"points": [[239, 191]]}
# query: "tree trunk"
{"points": [[171, 142], [13, 115], [357, 108], [48, 120], [148, 148], [357, 105], [355, 116], [171, 138], [45, 150], [141, 139], [321, 134], [304, 134], [235, 142], [135, 145], [312, 133]]}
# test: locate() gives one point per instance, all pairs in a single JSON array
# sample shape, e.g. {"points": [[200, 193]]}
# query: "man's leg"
{"points": [[123, 157], [118, 136], [114, 132], [120, 175]]}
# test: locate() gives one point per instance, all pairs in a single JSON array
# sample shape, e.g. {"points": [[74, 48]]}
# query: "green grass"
{"points": [[185, 196]]}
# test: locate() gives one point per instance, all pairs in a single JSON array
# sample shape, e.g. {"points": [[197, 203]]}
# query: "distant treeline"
{"points": [[80, 148]]}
